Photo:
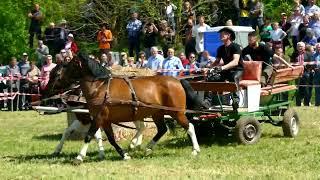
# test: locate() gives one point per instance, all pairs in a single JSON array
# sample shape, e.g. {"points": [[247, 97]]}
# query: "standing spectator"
{"points": [[316, 81], [71, 45], [303, 27], [3, 86], [198, 32], [134, 27], [49, 37], [185, 62], [188, 40], [297, 4], [172, 64], [245, 7], [312, 7], [295, 21], [277, 36], [155, 60], [300, 57], [187, 13], [35, 27], [265, 30], [24, 66], [104, 38], [61, 34], [166, 36], [13, 72], [315, 26], [150, 32], [170, 8], [142, 62], [256, 14], [45, 72], [42, 51], [285, 26]]}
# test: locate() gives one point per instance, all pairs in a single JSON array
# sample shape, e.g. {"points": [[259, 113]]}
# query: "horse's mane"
{"points": [[96, 69]]}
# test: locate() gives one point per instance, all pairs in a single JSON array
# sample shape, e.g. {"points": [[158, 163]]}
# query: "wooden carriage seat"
{"points": [[251, 73], [279, 78]]}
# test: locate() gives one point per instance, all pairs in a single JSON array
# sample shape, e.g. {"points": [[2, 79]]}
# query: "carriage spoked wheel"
{"points": [[247, 130], [290, 123]]}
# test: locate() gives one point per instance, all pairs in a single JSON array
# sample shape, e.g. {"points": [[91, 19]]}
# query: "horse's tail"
{"points": [[193, 100]]}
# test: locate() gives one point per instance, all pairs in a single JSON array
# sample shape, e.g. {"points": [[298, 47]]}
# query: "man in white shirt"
{"points": [[198, 32], [312, 7], [155, 60]]}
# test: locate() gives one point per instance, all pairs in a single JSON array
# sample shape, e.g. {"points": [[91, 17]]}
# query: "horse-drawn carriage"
{"points": [[258, 105]]}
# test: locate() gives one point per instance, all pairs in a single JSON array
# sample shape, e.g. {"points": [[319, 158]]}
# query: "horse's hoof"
{"points": [[148, 152], [55, 154], [76, 162], [195, 152], [126, 157]]}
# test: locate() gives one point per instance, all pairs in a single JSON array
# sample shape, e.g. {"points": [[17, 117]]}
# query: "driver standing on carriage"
{"points": [[227, 64]]}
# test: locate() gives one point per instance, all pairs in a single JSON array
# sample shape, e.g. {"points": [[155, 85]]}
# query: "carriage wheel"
{"points": [[247, 130], [290, 123]]}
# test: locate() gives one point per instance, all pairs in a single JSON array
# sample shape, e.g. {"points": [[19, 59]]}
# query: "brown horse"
{"points": [[113, 100]]}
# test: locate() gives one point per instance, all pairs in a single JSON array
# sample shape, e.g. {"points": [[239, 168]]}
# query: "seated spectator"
{"points": [[123, 59], [33, 78], [193, 62], [131, 62], [107, 61], [300, 57], [24, 101], [13, 83], [310, 38], [63, 54], [185, 62], [59, 59], [155, 60], [71, 44], [171, 64], [45, 72], [206, 60], [142, 61], [277, 36]]}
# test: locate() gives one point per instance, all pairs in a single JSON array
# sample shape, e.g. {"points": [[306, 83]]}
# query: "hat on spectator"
{"points": [[229, 31], [63, 51], [24, 54], [70, 35], [283, 14]]}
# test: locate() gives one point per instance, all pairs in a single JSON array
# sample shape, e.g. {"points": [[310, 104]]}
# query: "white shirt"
{"points": [[276, 35], [295, 22], [312, 9], [198, 32], [170, 10]]}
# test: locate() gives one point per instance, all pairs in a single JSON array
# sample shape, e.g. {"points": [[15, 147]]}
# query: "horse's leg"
{"points": [[137, 139], [69, 130], [92, 130], [109, 132], [98, 136], [183, 121], [161, 128]]}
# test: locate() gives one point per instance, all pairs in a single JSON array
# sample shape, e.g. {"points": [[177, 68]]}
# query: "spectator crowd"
{"points": [[151, 45]]}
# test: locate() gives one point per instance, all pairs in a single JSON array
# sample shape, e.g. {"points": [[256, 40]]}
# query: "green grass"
{"points": [[28, 139]]}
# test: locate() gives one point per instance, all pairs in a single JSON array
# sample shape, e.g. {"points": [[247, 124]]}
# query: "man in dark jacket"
{"points": [[35, 27]]}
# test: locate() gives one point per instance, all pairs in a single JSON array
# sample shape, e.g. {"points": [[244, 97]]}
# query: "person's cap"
{"points": [[63, 21], [123, 53], [230, 31], [70, 35], [52, 24], [63, 51], [24, 54], [49, 56], [283, 14]]}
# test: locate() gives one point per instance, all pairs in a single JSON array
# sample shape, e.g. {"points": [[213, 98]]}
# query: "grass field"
{"points": [[28, 139]]}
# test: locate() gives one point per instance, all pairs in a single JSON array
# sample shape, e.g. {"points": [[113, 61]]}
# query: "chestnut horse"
{"points": [[111, 100]]}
